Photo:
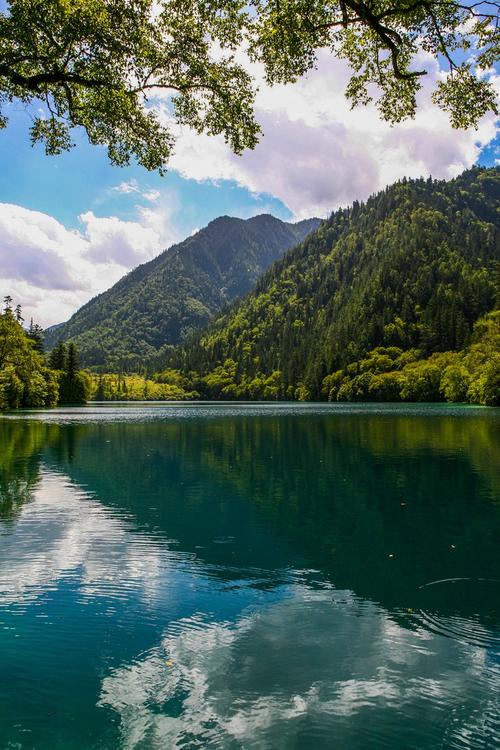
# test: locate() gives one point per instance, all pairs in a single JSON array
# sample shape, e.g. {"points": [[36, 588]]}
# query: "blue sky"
{"points": [[72, 225], [83, 179]]}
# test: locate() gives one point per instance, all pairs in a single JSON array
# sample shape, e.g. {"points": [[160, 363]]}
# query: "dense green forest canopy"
{"points": [[26, 378], [378, 288], [396, 299], [391, 374], [161, 302], [96, 64]]}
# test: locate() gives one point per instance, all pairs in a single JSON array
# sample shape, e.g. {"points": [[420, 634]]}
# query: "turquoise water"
{"points": [[250, 576]]}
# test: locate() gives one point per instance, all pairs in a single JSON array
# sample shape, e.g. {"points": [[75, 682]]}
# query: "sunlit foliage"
{"points": [[380, 303], [96, 64], [169, 385], [26, 379]]}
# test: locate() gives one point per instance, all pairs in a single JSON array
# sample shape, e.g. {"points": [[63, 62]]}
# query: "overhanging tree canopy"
{"points": [[96, 63]]}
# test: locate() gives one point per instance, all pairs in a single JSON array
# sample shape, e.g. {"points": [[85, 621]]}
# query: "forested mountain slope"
{"points": [[162, 301], [413, 268]]}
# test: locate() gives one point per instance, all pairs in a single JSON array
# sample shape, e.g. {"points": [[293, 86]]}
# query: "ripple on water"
{"points": [[309, 671], [464, 609], [116, 634]]}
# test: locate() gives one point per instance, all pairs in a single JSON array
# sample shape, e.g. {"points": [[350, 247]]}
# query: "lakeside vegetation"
{"points": [[407, 274], [27, 377], [386, 374], [168, 386], [471, 375], [391, 374], [396, 299]]}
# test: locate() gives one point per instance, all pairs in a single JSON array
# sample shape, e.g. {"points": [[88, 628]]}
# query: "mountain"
{"points": [[407, 274], [161, 302]]}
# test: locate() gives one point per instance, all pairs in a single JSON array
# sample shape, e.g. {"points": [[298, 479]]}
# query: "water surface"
{"points": [[250, 576]]}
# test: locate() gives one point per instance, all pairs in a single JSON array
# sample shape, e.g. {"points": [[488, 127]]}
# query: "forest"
{"points": [[379, 301], [30, 379], [389, 374], [396, 299], [160, 303]]}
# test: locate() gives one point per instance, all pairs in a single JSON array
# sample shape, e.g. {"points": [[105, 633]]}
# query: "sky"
{"points": [[72, 225]]}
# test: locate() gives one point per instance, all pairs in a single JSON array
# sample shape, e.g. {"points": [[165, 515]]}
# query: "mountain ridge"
{"points": [[412, 268], [162, 301]]}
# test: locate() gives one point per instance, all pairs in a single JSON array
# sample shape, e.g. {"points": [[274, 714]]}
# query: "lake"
{"points": [[255, 576]]}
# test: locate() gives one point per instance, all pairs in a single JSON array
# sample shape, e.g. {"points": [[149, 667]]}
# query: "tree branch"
{"points": [[32, 83]]}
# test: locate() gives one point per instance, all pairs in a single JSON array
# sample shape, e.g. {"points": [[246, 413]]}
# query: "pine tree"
{"points": [[72, 361], [99, 394], [57, 357], [35, 332], [24, 378], [74, 386]]}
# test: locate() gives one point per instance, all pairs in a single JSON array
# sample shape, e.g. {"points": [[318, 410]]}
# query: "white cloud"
{"points": [[127, 187], [132, 186], [210, 671], [316, 153], [53, 270], [112, 240], [151, 195], [72, 534]]}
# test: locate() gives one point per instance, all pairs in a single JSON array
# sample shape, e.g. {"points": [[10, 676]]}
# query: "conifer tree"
{"points": [[71, 361], [74, 387], [35, 332], [24, 378], [57, 357]]}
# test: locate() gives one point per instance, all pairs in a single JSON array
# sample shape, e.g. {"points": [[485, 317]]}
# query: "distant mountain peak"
{"points": [[166, 299], [411, 270]]}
